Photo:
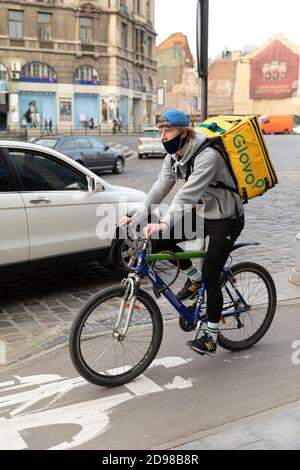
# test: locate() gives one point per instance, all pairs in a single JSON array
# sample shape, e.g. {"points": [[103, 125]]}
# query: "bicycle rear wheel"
{"points": [[98, 355], [257, 288]]}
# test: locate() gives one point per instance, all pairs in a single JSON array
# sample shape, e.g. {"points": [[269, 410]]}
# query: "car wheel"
{"points": [[140, 156], [126, 253], [119, 166]]}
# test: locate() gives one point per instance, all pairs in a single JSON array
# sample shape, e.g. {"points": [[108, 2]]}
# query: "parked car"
{"points": [[278, 124], [150, 143], [90, 152], [55, 212]]}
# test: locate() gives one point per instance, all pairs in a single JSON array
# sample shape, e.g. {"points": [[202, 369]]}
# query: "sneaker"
{"points": [[204, 345], [189, 290]]}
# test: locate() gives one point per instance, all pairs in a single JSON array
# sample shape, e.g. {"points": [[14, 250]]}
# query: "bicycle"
{"points": [[118, 332]]}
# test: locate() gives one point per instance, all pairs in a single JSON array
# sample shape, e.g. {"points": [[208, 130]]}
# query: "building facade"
{"points": [[263, 81], [177, 75], [70, 61], [267, 80], [221, 83]]}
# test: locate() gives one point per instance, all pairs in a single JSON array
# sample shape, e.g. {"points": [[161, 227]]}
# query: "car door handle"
{"points": [[39, 200]]}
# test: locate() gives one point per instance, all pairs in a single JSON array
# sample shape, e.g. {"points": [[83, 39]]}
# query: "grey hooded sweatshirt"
{"points": [[209, 167]]}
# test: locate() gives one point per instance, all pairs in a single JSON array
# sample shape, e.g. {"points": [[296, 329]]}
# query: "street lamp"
{"points": [[165, 94]]}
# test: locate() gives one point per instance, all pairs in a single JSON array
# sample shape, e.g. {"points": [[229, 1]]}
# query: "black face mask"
{"points": [[173, 145]]}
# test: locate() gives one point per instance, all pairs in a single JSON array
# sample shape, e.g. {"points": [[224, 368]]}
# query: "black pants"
{"points": [[222, 235]]}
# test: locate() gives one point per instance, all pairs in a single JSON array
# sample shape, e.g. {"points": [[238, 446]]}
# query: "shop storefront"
{"points": [[86, 107], [123, 110], [35, 107], [4, 107]]}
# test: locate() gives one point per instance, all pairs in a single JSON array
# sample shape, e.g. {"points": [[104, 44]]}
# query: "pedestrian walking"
{"points": [[46, 129], [120, 126], [115, 126]]}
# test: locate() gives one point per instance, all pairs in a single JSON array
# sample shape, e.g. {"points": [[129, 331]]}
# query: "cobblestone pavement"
{"points": [[35, 314]]}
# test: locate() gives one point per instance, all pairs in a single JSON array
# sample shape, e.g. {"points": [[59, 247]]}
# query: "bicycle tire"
{"points": [[264, 275], [75, 344]]}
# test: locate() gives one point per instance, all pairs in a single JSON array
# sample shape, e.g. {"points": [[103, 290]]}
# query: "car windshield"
{"points": [[154, 133], [264, 121], [47, 142]]}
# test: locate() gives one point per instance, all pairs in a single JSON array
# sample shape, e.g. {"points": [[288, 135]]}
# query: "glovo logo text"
{"points": [[240, 144]]}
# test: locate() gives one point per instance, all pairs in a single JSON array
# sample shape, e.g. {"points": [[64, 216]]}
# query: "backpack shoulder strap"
{"points": [[217, 144], [190, 164]]}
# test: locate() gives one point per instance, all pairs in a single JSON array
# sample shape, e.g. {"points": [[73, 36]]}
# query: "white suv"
{"points": [[54, 212]]}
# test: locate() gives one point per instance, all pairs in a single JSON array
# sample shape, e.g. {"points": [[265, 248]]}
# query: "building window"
{"points": [[137, 6], [143, 42], [124, 36], [86, 30], [123, 7], [150, 48], [124, 81], [148, 10], [45, 26], [87, 75], [38, 72], [137, 82], [3, 73], [149, 85], [15, 24]]}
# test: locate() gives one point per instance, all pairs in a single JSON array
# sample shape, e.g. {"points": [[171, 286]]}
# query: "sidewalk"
{"points": [[272, 430], [285, 289]]}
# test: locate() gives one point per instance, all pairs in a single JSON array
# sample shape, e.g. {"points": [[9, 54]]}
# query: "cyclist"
{"points": [[223, 213]]}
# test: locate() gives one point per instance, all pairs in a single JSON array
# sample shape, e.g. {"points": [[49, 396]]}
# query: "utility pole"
{"points": [[202, 52]]}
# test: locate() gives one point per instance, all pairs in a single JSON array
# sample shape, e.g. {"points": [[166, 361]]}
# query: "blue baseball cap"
{"points": [[173, 118]]}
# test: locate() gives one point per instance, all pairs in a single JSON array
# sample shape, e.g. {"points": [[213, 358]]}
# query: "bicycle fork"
{"points": [[132, 283]]}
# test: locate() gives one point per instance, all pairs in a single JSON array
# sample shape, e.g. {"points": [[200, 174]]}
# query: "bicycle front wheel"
{"points": [[257, 288], [98, 354]]}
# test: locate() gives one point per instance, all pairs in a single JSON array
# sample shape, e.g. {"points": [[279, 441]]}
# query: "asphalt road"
{"points": [[180, 399]]}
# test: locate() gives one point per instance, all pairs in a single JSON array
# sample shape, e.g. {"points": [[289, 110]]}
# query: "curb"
{"points": [[125, 149]]}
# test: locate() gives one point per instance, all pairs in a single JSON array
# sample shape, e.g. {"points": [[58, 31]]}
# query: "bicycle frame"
{"points": [[159, 285]]}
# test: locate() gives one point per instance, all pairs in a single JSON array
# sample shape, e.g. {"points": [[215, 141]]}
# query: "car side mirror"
{"points": [[94, 185], [106, 147]]}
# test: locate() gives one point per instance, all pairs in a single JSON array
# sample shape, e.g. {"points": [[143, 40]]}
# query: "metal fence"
{"points": [[30, 133], [14, 134]]}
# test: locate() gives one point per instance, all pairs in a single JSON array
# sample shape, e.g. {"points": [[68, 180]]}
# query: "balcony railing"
{"points": [[46, 44], [87, 48]]}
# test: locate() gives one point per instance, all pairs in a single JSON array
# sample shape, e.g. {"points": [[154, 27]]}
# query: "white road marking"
{"points": [[179, 383], [143, 386], [91, 416]]}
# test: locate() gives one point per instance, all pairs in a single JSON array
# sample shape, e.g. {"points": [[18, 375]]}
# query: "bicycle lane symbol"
{"points": [[92, 416]]}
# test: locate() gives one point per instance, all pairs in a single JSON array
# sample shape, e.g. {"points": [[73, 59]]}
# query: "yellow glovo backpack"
{"points": [[242, 145]]}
